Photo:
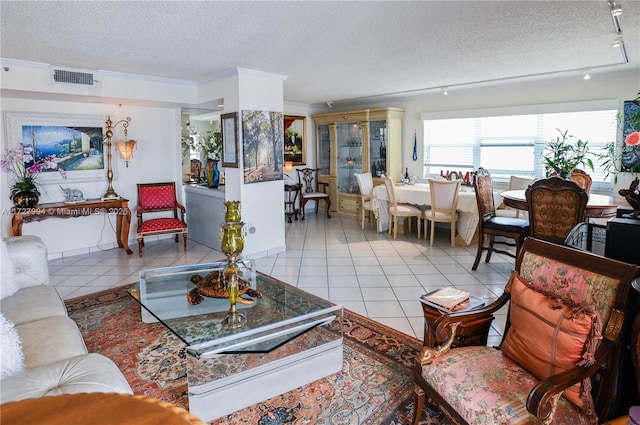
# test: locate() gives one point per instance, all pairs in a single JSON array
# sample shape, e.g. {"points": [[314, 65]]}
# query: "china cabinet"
{"points": [[358, 141]]}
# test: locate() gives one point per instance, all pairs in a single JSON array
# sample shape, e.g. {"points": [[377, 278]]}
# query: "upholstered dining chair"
{"points": [[399, 210], [154, 198], [515, 183], [308, 178], [444, 204], [365, 184], [567, 313], [490, 225], [555, 207], [582, 179]]}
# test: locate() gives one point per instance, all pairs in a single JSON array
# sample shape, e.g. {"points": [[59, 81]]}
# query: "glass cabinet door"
{"points": [[324, 149], [349, 143], [378, 148]]}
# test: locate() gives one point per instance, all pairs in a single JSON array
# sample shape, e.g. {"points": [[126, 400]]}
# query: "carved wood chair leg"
{"points": [[479, 253], [140, 245], [418, 402], [184, 237], [490, 250]]}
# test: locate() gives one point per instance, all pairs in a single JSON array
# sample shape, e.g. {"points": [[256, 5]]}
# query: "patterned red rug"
{"points": [[374, 387]]}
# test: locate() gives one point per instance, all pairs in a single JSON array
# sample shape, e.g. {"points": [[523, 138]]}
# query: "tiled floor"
{"points": [[366, 272]]}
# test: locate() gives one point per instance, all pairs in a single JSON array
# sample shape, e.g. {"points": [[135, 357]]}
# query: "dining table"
{"points": [[598, 206], [419, 194]]}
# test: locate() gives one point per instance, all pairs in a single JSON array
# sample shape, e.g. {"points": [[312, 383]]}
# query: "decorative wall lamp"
{"points": [[125, 147], [288, 166], [127, 144]]}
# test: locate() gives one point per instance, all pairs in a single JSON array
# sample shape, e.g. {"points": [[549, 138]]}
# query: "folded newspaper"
{"points": [[471, 302]]}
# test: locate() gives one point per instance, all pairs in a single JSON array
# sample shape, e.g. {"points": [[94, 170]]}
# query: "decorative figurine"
{"points": [[632, 195], [72, 195]]}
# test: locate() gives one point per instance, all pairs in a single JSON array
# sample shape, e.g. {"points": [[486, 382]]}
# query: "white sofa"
{"points": [[56, 360]]}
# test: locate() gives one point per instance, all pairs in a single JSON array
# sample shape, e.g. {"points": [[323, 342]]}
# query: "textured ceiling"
{"points": [[330, 51]]}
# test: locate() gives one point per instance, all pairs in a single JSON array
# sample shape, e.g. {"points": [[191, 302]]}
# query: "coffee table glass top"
{"points": [[282, 313]]}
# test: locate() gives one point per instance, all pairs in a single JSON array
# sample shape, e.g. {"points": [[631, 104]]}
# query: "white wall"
{"points": [[156, 158], [620, 86]]}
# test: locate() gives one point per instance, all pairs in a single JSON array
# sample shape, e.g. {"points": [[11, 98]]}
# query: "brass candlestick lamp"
{"points": [[126, 150]]}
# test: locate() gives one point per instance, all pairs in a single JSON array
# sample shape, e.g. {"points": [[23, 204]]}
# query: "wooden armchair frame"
{"points": [[158, 198], [543, 396]]}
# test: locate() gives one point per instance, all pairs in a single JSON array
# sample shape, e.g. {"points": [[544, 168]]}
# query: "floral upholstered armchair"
{"points": [[567, 310]]}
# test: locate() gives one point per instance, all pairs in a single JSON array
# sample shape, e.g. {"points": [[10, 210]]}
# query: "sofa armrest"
{"points": [[30, 260]]}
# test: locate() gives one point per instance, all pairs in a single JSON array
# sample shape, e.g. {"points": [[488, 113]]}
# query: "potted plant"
{"points": [[562, 155]]}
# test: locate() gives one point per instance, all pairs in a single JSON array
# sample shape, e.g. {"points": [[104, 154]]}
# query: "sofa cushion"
{"points": [[49, 340], [30, 258], [33, 303], [85, 373], [10, 349], [8, 284], [548, 337]]}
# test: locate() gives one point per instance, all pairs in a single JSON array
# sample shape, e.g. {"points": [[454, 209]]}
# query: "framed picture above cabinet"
{"points": [[295, 142]]}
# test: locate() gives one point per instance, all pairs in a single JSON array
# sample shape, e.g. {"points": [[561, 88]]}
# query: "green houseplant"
{"points": [[562, 155]]}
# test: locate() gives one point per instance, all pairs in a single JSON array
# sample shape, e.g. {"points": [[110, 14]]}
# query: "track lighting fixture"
{"points": [[586, 75], [616, 9], [445, 91], [617, 42]]}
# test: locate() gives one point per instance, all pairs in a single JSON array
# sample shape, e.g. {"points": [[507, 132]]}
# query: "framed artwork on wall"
{"points": [[76, 141], [295, 145], [630, 139], [230, 143], [262, 142]]}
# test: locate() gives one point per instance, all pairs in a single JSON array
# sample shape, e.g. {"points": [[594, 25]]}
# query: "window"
{"points": [[514, 144]]}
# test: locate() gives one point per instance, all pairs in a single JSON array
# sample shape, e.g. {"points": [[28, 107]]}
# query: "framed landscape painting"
{"points": [[76, 140], [262, 142], [295, 149]]}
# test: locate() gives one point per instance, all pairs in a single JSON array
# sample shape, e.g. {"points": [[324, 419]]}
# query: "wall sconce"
{"points": [[125, 147], [110, 193], [288, 166]]}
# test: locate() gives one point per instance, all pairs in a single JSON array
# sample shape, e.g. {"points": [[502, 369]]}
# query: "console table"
{"points": [[119, 207]]}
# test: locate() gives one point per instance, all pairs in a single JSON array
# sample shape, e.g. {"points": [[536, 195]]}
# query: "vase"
{"points": [[232, 211], [213, 174], [25, 199]]}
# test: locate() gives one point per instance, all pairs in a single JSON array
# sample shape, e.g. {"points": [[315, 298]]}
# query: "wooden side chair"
{"points": [[558, 362], [444, 205], [365, 184], [312, 189], [160, 198], [582, 179], [490, 225], [555, 207], [399, 210]]}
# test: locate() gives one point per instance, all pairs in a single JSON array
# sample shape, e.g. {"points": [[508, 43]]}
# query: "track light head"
{"points": [[616, 9]]}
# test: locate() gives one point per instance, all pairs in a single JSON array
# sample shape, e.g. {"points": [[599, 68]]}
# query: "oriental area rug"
{"points": [[374, 387]]}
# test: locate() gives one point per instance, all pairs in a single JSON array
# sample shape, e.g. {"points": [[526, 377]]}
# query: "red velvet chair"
{"points": [[157, 198]]}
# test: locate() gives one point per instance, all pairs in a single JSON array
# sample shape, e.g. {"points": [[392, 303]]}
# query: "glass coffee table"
{"points": [[285, 340]]}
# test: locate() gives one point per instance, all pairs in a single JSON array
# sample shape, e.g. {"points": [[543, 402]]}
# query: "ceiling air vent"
{"points": [[72, 77]]}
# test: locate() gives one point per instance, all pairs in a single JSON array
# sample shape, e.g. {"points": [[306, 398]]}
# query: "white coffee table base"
{"points": [[223, 396]]}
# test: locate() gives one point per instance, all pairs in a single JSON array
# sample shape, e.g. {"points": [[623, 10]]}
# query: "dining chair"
{"points": [[515, 183], [308, 178], [490, 225], [154, 198], [365, 184], [444, 205], [582, 179], [560, 355], [399, 210], [555, 207]]}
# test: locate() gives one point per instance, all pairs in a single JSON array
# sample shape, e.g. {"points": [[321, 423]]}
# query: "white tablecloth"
{"points": [[419, 195]]}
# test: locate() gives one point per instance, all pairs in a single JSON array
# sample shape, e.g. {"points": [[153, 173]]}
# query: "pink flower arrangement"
{"points": [[25, 177], [632, 139]]}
